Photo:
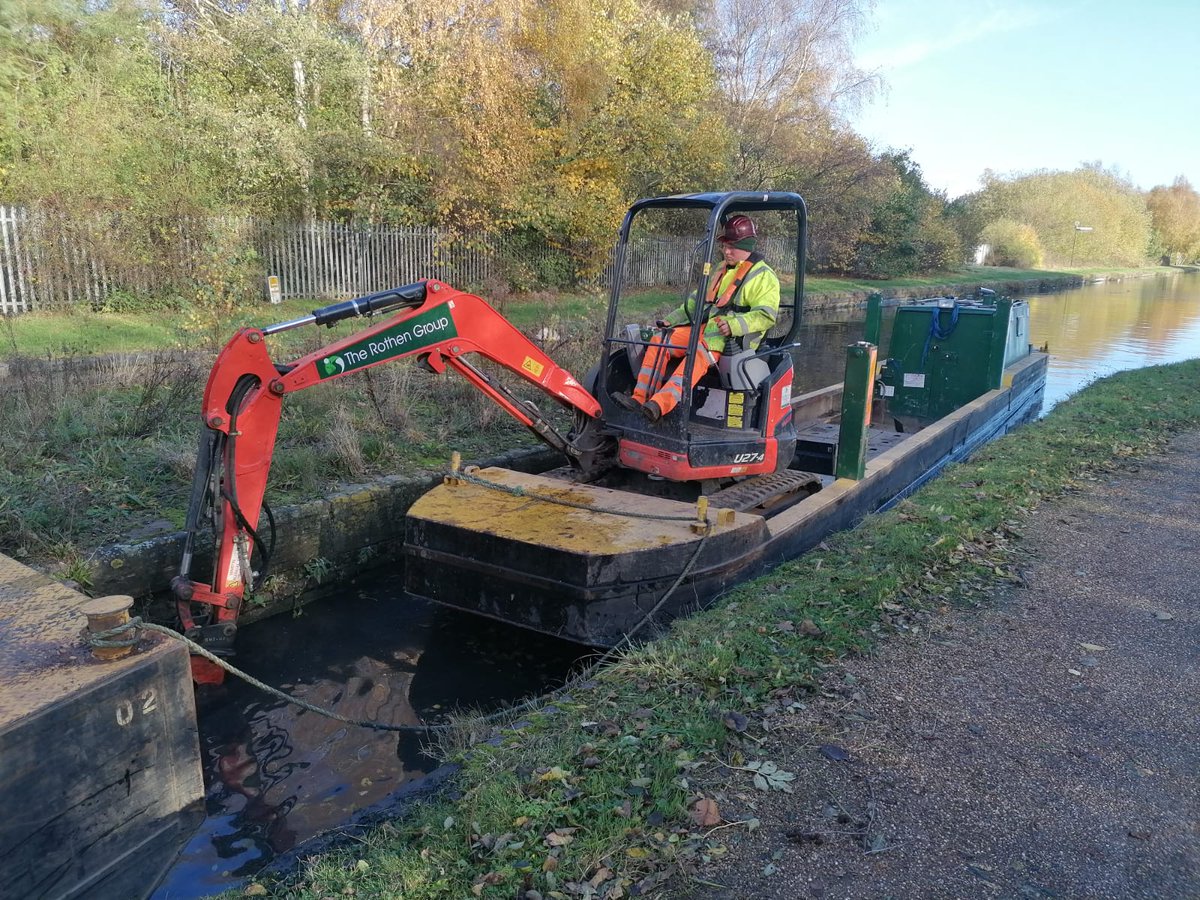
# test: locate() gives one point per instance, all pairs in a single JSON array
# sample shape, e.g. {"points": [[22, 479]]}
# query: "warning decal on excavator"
{"points": [[411, 334], [735, 409], [533, 367]]}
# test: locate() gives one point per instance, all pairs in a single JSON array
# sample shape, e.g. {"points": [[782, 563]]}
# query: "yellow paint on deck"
{"points": [[601, 529]]}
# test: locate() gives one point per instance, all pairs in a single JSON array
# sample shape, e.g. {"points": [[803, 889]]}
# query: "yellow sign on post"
{"points": [[274, 290]]}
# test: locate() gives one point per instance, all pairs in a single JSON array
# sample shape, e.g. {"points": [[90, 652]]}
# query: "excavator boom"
{"points": [[242, 406]]}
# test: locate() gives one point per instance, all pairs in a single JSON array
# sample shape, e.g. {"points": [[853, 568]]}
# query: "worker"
{"points": [[741, 307]]}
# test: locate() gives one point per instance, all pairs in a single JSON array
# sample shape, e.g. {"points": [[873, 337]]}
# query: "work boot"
{"points": [[626, 401], [652, 411]]}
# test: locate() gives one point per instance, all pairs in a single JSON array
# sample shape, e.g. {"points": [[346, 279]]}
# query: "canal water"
{"points": [[277, 775], [1091, 332]]}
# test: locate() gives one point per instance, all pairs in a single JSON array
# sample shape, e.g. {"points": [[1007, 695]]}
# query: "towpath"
{"points": [[1045, 745]]}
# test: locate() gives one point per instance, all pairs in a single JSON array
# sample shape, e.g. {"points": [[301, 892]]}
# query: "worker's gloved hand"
{"points": [[663, 323]]}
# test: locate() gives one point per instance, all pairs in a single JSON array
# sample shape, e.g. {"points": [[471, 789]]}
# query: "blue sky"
{"points": [[1030, 84]]}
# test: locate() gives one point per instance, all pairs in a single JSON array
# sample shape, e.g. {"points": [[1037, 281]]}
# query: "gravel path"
{"points": [[1047, 745]]}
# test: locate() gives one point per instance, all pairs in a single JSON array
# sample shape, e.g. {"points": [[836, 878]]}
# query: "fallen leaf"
{"points": [[834, 752], [1163, 616], [706, 813], [1092, 648], [637, 852], [255, 890], [769, 777], [1075, 672], [810, 628], [735, 721]]}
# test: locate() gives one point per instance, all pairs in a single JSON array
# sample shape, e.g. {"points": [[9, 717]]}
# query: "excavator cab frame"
{"points": [[752, 432]]}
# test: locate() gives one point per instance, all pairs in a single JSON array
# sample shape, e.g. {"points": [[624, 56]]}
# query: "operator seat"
{"points": [[742, 371]]}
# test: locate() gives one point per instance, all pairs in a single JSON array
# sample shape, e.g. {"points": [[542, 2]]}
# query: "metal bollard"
{"points": [[455, 468], [874, 324], [856, 411], [701, 524], [105, 613]]}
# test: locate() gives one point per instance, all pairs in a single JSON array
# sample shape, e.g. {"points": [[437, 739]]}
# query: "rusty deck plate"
{"points": [[42, 657]]}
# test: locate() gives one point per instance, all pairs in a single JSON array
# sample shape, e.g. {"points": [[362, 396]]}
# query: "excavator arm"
{"points": [[242, 406]]}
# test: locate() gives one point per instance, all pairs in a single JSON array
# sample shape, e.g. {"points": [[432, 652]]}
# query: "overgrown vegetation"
{"points": [[1012, 243], [608, 790], [1176, 213]]}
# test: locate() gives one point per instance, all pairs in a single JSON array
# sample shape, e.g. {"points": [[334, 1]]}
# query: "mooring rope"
{"points": [[105, 639], [112, 638]]}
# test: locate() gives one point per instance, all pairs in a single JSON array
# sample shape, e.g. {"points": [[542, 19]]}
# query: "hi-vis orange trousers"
{"points": [[652, 375]]}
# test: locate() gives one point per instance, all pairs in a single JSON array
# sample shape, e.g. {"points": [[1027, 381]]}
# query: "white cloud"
{"points": [[947, 36]]}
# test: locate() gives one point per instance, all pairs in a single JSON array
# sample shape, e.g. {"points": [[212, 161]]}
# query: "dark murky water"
{"points": [[277, 775]]}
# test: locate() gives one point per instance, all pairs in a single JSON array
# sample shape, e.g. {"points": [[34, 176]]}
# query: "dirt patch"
{"points": [[1046, 746]]}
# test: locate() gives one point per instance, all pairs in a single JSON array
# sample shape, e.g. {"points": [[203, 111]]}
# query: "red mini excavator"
{"points": [[736, 425]]}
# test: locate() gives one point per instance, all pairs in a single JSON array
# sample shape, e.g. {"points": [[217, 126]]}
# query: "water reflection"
{"points": [[1092, 331], [1105, 328], [277, 774]]}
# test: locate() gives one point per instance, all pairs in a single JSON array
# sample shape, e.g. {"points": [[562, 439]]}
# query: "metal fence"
{"points": [[51, 261]]}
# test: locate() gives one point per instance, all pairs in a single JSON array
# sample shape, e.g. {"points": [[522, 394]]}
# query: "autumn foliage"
{"points": [[540, 121]]}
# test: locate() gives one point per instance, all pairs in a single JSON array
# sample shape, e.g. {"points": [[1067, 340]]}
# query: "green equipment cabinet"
{"points": [[946, 352]]}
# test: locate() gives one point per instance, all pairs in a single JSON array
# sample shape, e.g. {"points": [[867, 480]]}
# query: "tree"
{"points": [[1013, 244], [1053, 202], [1175, 212], [784, 65], [908, 232]]}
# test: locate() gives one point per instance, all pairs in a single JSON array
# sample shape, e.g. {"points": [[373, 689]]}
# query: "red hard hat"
{"points": [[738, 228]]}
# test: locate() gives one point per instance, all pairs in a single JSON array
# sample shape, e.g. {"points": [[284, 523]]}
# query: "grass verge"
{"points": [[602, 793]]}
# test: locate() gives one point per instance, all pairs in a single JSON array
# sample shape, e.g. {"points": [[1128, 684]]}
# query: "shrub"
{"points": [[1012, 243]]}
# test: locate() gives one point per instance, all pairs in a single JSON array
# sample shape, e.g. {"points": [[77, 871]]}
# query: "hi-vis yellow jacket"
{"points": [[751, 311]]}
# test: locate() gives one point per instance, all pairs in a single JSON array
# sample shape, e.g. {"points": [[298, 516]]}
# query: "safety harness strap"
{"points": [[739, 275]]}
